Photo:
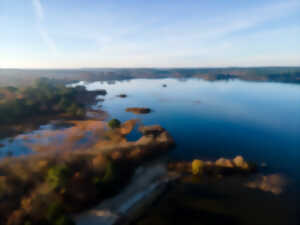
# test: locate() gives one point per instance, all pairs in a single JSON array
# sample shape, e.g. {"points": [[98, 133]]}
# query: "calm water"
{"points": [[208, 120], [260, 121]]}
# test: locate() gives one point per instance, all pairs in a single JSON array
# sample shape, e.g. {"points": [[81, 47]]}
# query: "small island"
{"points": [[122, 96], [93, 172], [137, 110]]}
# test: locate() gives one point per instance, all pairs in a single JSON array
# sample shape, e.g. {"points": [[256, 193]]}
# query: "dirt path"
{"points": [[147, 183]]}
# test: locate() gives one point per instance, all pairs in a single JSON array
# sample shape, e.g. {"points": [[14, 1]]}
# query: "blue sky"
{"points": [[153, 33]]}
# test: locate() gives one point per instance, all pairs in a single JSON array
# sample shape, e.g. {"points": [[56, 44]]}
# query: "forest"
{"points": [[45, 97]]}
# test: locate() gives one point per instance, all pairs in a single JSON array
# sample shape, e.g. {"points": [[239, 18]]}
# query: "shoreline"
{"points": [[108, 164], [31, 124], [133, 202]]}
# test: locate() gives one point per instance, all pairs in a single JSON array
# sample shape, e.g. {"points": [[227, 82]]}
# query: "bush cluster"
{"points": [[44, 98], [197, 167], [114, 123], [46, 189]]}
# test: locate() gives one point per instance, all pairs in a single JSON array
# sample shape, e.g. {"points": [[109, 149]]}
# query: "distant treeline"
{"points": [[14, 77], [45, 97]]}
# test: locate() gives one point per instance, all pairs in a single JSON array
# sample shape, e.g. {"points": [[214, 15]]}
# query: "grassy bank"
{"points": [[26, 108], [47, 188]]}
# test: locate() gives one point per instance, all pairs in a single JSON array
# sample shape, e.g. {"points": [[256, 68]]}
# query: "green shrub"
{"points": [[197, 166], [76, 110], [58, 176], [110, 173], [114, 123], [64, 220], [1, 188], [96, 180], [55, 210], [56, 215]]}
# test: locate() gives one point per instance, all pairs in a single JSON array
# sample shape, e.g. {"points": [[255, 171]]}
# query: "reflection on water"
{"points": [[20, 144], [209, 120], [221, 119], [212, 119], [196, 201], [55, 137], [274, 183]]}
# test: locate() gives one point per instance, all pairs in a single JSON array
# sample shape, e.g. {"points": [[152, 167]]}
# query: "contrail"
{"points": [[48, 40], [39, 11]]}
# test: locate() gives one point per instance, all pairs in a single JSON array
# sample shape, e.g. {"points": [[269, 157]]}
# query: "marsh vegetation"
{"points": [[47, 188]]}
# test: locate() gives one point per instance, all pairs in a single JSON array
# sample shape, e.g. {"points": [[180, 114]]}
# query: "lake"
{"points": [[258, 120], [209, 120]]}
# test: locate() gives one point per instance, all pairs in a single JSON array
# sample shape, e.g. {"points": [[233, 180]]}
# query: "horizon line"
{"points": [[166, 68]]}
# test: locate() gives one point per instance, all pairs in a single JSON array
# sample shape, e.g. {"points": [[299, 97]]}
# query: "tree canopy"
{"points": [[45, 97]]}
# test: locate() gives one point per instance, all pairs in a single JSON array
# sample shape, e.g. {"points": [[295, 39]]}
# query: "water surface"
{"points": [[258, 120], [209, 120]]}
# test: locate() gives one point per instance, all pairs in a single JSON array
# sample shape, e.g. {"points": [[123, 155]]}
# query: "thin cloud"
{"points": [[210, 35], [48, 40], [229, 23], [39, 11], [193, 40]]}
